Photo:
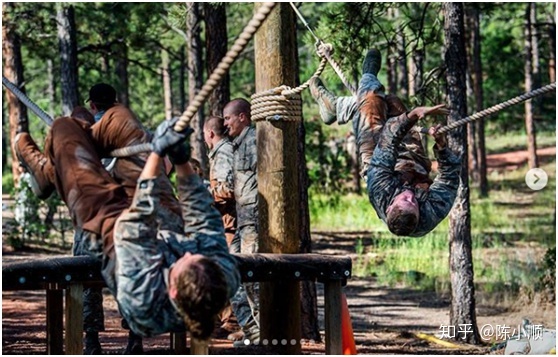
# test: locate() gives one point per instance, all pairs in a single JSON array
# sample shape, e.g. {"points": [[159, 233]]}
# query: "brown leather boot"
{"points": [[36, 164]]}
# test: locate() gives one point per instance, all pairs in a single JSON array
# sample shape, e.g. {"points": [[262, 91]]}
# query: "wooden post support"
{"points": [[74, 319], [332, 301], [178, 343], [199, 347], [54, 313], [279, 208]]}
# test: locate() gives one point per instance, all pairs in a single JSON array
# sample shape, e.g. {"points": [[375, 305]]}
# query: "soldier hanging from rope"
{"points": [[394, 163]]}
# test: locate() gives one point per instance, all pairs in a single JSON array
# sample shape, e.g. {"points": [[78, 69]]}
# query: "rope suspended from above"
{"points": [[325, 50], [225, 64], [214, 79], [496, 108]]}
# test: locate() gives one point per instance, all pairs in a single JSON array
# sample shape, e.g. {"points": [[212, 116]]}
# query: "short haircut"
{"points": [[202, 294], [102, 95], [400, 222], [216, 124], [239, 105]]}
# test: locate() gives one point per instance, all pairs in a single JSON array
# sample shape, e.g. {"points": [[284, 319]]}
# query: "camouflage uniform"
{"points": [[95, 197], [245, 303], [384, 184], [93, 314], [221, 180], [369, 112], [145, 255]]}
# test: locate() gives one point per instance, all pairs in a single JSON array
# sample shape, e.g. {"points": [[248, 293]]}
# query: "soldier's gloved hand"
{"points": [[166, 140]]}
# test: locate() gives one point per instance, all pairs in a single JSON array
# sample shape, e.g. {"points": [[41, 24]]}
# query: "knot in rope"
{"points": [[281, 103], [323, 49]]}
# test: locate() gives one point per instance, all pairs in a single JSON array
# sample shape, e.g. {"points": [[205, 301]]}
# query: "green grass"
{"points": [[517, 141], [512, 217]]}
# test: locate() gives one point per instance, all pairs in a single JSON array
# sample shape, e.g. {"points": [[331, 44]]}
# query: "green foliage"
{"points": [[35, 219], [8, 183], [28, 223]]}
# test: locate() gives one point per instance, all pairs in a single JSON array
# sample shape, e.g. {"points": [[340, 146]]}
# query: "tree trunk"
{"points": [[402, 72], [535, 51], [529, 112], [121, 69], [216, 48], [68, 57], [13, 71], [167, 85], [51, 89], [308, 296], [354, 163], [195, 79], [278, 178], [5, 138], [479, 101], [391, 61], [471, 131], [552, 46], [471, 137], [182, 79], [462, 311]]}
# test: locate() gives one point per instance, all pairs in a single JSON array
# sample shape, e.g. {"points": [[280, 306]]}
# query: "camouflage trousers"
{"points": [[370, 111], [246, 302], [93, 315]]}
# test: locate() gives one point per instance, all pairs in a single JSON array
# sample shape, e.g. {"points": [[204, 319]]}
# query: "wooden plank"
{"points": [[292, 267], [54, 328], [178, 343], [332, 300], [74, 319]]}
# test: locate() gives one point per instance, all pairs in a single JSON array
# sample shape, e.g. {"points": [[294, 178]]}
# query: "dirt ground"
{"points": [[385, 319]]}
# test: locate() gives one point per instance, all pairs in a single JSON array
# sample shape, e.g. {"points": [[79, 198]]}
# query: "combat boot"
{"points": [[372, 62], [135, 344], [36, 164], [327, 102], [92, 346]]}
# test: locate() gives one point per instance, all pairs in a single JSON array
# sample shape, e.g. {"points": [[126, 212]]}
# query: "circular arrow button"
{"points": [[536, 179]]}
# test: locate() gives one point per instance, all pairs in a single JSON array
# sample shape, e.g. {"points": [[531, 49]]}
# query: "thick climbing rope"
{"points": [[25, 100], [496, 108], [281, 103], [325, 50], [216, 76], [225, 63]]}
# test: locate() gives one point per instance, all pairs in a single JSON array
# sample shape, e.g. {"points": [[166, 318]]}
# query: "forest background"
{"points": [[157, 54]]}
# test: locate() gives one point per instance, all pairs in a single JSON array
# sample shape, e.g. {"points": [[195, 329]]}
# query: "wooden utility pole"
{"points": [[278, 180]]}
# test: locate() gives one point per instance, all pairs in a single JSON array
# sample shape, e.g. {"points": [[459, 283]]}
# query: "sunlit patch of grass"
{"points": [[517, 141]]}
